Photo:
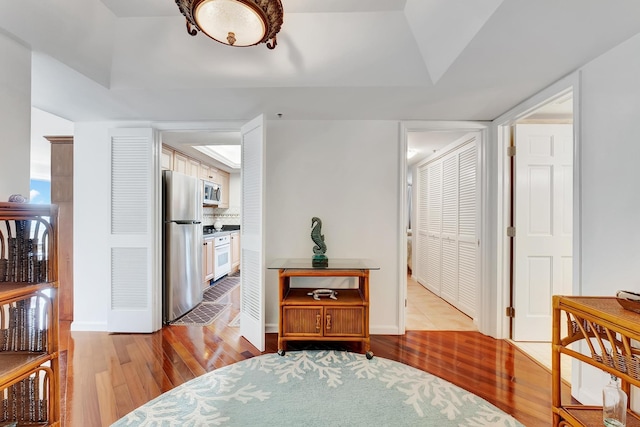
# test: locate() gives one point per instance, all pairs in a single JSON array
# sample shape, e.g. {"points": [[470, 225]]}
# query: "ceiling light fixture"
{"points": [[234, 22]]}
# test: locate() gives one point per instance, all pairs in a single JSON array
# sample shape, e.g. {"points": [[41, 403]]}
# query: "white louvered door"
{"points": [[252, 305], [448, 212], [422, 231], [468, 203], [434, 226], [449, 269], [135, 291]]}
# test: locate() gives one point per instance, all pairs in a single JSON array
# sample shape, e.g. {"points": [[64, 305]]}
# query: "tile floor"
{"points": [[427, 312]]}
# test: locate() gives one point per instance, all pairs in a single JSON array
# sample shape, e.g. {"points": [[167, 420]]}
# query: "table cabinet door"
{"points": [[344, 321], [302, 321]]}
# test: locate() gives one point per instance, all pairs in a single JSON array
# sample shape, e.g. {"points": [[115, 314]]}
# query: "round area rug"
{"points": [[317, 388]]}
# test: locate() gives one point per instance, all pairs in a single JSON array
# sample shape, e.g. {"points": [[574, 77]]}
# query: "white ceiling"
{"points": [[335, 59]]}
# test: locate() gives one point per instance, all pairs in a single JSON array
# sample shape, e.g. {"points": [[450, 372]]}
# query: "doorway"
{"points": [[541, 221], [542, 212], [426, 308]]}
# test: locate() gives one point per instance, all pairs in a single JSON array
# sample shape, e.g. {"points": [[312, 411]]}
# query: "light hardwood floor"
{"points": [[427, 312]]}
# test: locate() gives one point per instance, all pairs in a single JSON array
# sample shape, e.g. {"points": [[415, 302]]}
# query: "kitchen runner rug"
{"points": [[201, 315], [212, 306], [221, 288], [317, 388]]}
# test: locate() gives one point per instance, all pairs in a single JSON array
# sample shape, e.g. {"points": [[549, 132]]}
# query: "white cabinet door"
{"points": [[544, 225]]}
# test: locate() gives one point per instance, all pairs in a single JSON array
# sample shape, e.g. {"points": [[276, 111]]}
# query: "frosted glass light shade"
{"points": [[231, 22], [234, 22]]}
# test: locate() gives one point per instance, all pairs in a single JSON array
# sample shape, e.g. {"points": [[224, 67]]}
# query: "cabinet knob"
{"points": [[328, 322], [318, 317]]}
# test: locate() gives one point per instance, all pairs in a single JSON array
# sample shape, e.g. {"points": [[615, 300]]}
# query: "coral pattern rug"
{"points": [[317, 388]]}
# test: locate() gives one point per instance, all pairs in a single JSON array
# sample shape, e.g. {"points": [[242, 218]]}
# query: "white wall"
{"points": [[610, 93], [611, 171], [15, 117], [347, 174], [91, 228]]}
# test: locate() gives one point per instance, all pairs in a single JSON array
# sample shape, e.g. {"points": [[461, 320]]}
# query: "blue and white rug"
{"points": [[317, 388]]}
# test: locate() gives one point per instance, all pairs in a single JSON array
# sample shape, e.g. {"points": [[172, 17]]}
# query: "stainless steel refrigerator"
{"points": [[182, 238]]}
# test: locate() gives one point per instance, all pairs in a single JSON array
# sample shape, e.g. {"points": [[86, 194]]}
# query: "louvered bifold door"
{"points": [[132, 198], [449, 235], [434, 227], [421, 230], [467, 229], [252, 305]]}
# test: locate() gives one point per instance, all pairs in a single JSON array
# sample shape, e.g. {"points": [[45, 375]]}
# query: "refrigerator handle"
{"points": [[184, 221]]}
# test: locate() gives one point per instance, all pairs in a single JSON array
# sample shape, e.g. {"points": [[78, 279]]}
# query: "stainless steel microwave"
{"points": [[212, 193]]}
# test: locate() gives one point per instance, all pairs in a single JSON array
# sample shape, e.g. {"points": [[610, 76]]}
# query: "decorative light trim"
{"points": [[270, 12]]}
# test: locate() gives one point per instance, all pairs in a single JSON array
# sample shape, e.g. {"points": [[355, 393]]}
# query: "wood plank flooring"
{"points": [[105, 376]]}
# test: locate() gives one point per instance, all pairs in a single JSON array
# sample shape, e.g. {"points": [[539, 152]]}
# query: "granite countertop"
{"points": [[210, 231]]}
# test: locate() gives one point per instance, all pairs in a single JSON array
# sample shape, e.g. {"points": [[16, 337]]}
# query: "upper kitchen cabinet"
{"points": [[193, 168], [209, 173], [166, 159], [224, 184], [180, 163]]}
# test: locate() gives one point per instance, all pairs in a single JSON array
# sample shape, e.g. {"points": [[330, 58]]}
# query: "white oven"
{"points": [[222, 256]]}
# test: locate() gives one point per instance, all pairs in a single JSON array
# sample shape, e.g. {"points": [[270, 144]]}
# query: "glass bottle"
{"points": [[614, 404]]}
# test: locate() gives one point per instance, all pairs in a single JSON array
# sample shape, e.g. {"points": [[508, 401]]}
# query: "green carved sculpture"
{"points": [[319, 258]]}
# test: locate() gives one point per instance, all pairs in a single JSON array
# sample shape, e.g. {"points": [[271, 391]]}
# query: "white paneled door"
{"points": [[252, 305], [544, 225]]}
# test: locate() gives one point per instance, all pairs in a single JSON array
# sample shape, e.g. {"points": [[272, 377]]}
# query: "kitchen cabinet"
{"points": [[29, 366], [235, 252], [209, 173], [193, 168], [305, 318], [610, 335], [224, 187], [180, 163], [166, 158], [208, 261]]}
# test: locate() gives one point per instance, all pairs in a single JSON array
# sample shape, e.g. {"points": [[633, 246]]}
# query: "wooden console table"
{"points": [[303, 318]]}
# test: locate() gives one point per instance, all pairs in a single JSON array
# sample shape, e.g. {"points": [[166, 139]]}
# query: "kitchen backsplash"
{"points": [[230, 216]]}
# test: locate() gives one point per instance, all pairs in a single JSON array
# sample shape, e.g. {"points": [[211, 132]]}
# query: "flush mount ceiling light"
{"points": [[234, 22]]}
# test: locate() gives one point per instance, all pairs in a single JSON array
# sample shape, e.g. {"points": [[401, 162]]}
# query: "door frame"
{"points": [[502, 124], [484, 310]]}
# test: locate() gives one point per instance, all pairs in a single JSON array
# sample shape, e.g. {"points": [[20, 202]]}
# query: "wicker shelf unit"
{"points": [[29, 371], [607, 330]]}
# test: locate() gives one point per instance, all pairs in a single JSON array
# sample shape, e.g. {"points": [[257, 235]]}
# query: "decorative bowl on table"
{"points": [[629, 300]]}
